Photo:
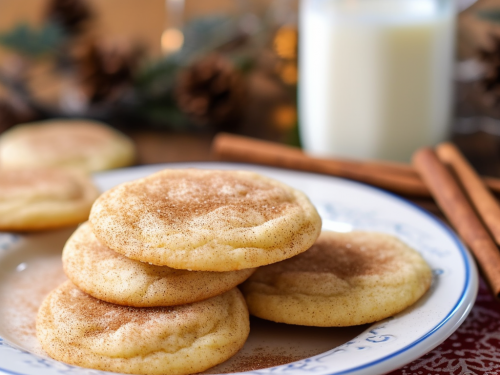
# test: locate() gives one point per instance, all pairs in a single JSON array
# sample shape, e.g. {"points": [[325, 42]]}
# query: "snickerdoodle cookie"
{"points": [[344, 279], [83, 144], [78, 329], [112, 277], [39, 199], [205, 220]]}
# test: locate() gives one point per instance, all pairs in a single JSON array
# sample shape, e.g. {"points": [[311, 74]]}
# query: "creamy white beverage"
{"points": [[375, 76]]}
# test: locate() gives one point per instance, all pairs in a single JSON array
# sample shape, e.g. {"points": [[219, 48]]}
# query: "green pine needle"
{"points": [[492, 15], [31, 42]]}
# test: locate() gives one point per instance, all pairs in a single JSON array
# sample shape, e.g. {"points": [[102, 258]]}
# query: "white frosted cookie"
{"points": [[39, 199], [87, 145], [344, 279], [112, 277], [205, 220], [78, 329]]}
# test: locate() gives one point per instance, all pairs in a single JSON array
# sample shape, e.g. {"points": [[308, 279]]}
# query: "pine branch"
{"points": [[33, 43], [492, 15]]}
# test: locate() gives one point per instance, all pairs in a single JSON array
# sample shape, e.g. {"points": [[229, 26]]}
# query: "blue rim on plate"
{"points": [[319, 188], [466, 287]]}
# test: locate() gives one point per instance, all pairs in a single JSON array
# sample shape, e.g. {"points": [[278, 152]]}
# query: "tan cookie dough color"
{"points": [[78, 329], [40, 199], [205, 220], [112, 277], [344, 279], [87, 145]]}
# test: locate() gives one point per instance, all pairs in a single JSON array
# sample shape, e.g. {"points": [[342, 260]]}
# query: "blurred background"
{"points": [[173, 73]]}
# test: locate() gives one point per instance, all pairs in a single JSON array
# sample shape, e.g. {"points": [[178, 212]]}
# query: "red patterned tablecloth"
{"points": [[474, 349]]}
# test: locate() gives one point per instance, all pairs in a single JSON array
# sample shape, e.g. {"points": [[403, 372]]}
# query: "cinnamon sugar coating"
{"points": [[344, 279], [86, 145], [39, 199], [112, 277], [78, 329], [205, 220]]}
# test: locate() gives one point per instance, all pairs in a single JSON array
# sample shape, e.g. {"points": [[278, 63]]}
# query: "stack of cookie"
{"points": [[44, 179], [153, 273]]}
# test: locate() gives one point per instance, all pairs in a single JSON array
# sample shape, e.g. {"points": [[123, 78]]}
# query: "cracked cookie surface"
{"points": [[344, 279], [205, 220], [78, 329], [112, 277]]}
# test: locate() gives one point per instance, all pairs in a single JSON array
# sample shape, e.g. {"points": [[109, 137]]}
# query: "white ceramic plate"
{"points": [[30, 267]]}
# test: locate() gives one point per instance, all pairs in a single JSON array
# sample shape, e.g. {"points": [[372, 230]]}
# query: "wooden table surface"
{"points": [[481, 149], [163, 147]]}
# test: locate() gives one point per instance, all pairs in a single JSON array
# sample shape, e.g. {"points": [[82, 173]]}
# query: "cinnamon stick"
{"points": [[397, 177], [483, 200], [400, 178], [456, 207]]}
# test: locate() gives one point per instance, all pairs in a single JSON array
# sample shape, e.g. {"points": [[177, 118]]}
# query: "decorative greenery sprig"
{"points": [[34, 43]]}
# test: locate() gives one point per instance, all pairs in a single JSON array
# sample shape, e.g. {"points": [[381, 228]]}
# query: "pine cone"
{"points": [[490, 83], [210, 92], [105, 70], [71, 15]]}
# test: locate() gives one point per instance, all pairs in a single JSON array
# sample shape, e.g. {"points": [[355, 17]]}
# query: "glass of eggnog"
{"points": [[375, 77]]}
